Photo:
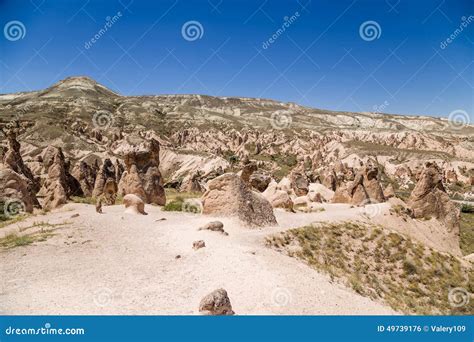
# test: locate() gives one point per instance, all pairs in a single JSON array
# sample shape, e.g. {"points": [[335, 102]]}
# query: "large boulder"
{"points": [[142, 176], [229, 196], [216, 303], [429, 199], [134, 204]]}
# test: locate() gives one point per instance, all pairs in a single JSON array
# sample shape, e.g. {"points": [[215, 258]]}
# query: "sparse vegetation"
{"points": [[175, 201], [466, 232], [381, 264]]}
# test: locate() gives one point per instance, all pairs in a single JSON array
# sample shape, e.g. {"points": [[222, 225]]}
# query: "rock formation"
{"points": [[142, 176], [134, 204], [364, 189], [55, 189], [216, 303], [215, 226], [277, 197], [12, 159], [86, 175], [14, 190], [228, 195], [429, 199], [106, 174]]}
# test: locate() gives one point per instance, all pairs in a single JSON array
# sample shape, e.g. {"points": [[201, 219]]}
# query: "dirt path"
{"points": [[120, 264]]}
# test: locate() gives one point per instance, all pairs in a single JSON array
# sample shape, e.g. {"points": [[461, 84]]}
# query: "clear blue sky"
{"points": [[320, 60]]}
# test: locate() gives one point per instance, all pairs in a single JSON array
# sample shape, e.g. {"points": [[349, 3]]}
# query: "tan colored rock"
{"points": [[134, 204], [12, 159], [229, 196], [110, 191], [142, 176], [198, 244], [429, 199], [86, 175], [106, 172], [215, 226], [372, 185], [260, 181], [59, 185], [247, 172], [389, 192], [216, 303], [14, 193], [278, 198]]}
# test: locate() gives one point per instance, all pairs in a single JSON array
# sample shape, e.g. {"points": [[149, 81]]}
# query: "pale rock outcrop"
{"points": [[316, 190], [429, 199], [216, 303], [134, 204], [228, 195], [142, 176], [277, 197]]}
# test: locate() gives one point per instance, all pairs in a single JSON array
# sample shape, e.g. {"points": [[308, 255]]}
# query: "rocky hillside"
{"points": [[215, 133]]}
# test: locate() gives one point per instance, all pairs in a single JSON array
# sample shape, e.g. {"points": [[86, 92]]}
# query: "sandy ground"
{"points": [[117, 263]]}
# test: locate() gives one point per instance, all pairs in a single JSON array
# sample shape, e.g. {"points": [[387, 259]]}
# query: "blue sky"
{"points": [[319, 60]]}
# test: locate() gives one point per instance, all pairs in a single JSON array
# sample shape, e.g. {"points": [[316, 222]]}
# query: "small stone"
{"points": [[199, 244], [178, 257], [75, 215], [215, 226]]}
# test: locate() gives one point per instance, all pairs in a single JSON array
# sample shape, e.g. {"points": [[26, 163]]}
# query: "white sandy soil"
{"points": [[115, 263]]}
